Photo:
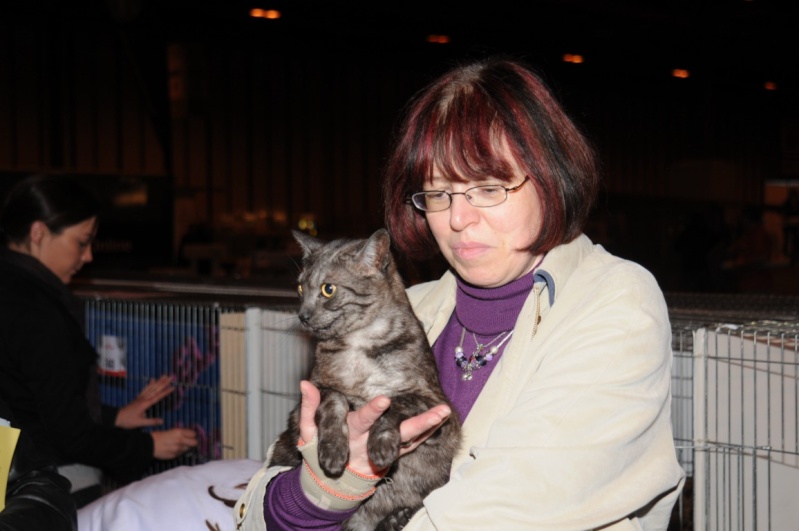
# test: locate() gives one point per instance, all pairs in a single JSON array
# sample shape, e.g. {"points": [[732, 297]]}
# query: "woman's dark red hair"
{"points": [[461, 122]]}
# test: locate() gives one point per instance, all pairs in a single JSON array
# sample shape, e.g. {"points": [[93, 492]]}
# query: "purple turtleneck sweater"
{"points": [[484, 314]]}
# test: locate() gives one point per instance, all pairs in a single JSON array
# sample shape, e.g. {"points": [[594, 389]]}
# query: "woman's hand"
{"points": [[170, 444], [414, 431], [134, 415]]}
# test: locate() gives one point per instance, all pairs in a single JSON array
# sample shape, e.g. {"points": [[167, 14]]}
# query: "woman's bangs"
{"points": [[468, 147]]}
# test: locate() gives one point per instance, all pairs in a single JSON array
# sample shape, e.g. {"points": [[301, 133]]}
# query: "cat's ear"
{"points": [[377, 250], [308, 243]]}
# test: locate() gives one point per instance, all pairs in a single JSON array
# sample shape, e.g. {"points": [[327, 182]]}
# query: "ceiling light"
{"points": [[438, 39], [271, 14]]}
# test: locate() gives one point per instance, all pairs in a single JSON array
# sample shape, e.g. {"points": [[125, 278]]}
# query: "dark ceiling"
{"points": [[757, 38]]}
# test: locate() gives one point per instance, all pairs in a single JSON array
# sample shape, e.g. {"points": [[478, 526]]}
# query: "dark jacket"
{"points": [[48, 373], [37, 497]]}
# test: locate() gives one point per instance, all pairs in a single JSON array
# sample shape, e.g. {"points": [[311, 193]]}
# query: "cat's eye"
{"points": [[299, 289], [328, 290]]}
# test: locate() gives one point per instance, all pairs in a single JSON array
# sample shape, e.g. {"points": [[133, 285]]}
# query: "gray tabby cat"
{"points": [[369, 343]]}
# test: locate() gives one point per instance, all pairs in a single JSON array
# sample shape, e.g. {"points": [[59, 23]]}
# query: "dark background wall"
{"points": [[200, 125]]}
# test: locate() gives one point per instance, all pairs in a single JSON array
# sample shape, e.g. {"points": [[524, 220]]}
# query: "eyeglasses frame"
{"points": [[508, 191]]}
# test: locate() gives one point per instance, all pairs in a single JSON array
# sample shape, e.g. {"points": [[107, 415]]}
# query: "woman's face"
{"points": [[64, 253], [486, 246]]}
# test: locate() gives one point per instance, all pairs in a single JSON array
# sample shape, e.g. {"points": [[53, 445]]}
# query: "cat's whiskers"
{"points": [[298, 266], [293, 322], [289, 319]]}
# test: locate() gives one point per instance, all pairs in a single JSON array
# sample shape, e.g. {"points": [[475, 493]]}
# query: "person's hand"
{"points": [[134, 415], [170, 444], [414, 431]]}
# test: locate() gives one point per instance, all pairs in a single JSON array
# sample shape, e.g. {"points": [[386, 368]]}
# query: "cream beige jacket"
{"points": [[572, 430]]}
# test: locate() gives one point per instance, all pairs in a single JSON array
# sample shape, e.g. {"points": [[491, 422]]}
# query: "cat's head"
{"points": [[344, 283]]}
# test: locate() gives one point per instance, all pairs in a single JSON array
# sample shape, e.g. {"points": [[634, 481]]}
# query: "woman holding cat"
{"points": [[555, 354], [47, 367]]}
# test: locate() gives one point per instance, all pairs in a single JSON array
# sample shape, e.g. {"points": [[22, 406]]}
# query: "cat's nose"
{"points": [[303, 317]]}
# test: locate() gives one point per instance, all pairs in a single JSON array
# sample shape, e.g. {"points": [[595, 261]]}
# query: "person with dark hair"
{"points": [[47, 366], [37, 496], [567, 423]]}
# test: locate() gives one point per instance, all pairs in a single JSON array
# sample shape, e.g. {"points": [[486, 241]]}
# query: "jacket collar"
{"points": [[559, 264], [435, 308], [33, 271]]}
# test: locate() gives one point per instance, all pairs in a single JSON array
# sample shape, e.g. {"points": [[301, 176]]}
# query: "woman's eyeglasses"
{"points": [[480, 196]]}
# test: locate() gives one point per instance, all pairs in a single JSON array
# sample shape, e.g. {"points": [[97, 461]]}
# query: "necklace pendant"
{"points": [[478, 359]]}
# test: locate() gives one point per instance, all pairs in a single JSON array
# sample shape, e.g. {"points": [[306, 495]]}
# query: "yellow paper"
{"points": [[8, 441]]}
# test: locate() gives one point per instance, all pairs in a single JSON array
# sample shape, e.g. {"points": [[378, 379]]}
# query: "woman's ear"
{"points": [[38, 231]]}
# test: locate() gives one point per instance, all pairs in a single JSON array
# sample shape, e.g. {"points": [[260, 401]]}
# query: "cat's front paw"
{"points": [[333, 434], [383, 447], [396, 520], [333, 456]]}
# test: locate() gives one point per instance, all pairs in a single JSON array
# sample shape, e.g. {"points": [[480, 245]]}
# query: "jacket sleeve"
{"points": [[578, 436], [54, 360], [249, 509]]}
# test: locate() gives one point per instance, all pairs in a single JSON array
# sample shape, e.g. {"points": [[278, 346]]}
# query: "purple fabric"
{"points": [[484, 311], [287, 509]]}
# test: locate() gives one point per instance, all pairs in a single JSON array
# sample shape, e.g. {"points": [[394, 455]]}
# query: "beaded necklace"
{"points": [[477, 359]]}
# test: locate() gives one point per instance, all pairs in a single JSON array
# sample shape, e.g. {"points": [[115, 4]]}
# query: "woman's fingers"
{"points": [[310, 401], [134, 414], [172, 443], [149, 422], [157, 390], [361, 420], [415, 430]]}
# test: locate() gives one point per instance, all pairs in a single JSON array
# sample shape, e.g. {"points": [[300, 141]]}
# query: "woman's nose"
{"points": [[87, 255], [461, 213]]}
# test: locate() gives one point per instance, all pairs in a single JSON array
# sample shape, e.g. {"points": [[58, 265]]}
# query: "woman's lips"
{"points": [[469, 250]]}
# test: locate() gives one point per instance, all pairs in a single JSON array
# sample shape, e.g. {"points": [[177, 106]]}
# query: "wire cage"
{"points": [[735, 404], [137, 341], [235, 368]]}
